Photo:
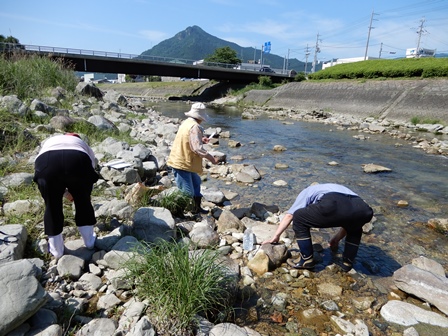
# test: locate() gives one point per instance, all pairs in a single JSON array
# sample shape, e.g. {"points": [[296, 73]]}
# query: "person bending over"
{"points": [[65, 166], [324, 206]]}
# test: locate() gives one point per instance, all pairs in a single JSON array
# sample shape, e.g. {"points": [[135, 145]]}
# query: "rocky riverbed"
{"points": [[273, 299]]}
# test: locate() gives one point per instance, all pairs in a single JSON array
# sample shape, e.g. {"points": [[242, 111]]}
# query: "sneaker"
{"points": [[301, 263], [346, 265]]}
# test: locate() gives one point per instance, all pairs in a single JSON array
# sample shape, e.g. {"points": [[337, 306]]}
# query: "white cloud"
{"points": [[243, 42], [154, 35]]}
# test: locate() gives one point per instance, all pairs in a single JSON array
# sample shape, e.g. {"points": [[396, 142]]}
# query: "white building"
{"points": [[346, 60]]}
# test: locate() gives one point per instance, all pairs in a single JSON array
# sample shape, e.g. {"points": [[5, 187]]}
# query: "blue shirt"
{"points": [[314, 193]]}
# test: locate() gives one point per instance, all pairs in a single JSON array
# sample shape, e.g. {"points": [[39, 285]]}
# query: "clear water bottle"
{"points": [[248, 240]]}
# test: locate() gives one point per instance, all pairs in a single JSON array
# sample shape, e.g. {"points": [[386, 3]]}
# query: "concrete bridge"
{"points": [[112, 62]]}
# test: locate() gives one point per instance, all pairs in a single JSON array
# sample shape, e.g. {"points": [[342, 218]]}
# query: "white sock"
{"points": [[56, 245], [88, 235]]}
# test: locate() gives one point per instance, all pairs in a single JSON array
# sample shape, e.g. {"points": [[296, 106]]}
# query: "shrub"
{"points": [[265, 81], [299, 77], [397, 68]]}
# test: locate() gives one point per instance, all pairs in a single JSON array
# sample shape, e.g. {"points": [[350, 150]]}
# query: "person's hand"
{"points": [[270, 241], [334, 244], [205, 140], [68, 196], [334, 241]]}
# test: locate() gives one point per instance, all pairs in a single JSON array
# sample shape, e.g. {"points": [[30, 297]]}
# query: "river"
{"points": [[400, 233]]}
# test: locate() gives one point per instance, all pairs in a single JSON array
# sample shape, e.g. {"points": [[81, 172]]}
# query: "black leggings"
{"points": [[56, 171], [334, 210]]}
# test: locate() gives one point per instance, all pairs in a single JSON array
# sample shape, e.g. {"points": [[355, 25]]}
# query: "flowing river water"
{"points": [[400, 233]]}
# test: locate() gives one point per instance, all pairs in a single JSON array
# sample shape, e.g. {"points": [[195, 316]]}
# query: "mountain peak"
{"points": [[194, 43]]}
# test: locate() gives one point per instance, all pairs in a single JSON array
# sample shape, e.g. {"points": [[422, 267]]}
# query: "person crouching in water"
{"points": [[187, 153], [324, 206], [65, 166]]}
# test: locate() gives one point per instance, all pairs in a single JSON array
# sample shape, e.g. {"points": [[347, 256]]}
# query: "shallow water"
{"points": [[399, 234]]}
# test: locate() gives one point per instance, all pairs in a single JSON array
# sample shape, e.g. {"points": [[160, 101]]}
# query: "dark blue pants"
{"points": [[334, 210], [56, 171]]}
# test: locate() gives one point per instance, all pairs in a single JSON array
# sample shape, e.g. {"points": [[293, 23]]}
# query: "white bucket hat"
{"points": [[197, 111]]}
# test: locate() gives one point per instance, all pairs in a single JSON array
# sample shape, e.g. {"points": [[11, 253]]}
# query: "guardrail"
{"points": [[12, 47]]}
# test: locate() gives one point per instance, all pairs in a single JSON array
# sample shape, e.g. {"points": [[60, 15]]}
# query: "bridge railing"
{"points": [[11, 47]]}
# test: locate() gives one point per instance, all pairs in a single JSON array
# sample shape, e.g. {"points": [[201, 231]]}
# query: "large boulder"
{"points": [[22, 294], [425, 285]]}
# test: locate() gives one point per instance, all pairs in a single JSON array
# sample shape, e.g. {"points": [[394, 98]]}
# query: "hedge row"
{"points": [[407, 67]]}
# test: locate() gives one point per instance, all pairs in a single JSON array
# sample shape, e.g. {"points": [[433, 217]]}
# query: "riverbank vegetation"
{"points": [[386, 69], [30, 76], [180, 285]]}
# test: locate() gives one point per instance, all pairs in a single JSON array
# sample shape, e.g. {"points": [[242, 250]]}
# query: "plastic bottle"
{"points": [[248, 240]]}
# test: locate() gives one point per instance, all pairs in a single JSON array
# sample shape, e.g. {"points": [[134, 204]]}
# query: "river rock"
{"points": [[373, 168], [280, 183], [279, 148], [244, 178], [429, 265], [153, 223], [259, 263], [22, 291], [407, 314], [423, 284], [440, 224]]}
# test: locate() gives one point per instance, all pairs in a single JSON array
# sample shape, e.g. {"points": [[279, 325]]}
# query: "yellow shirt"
{"points": [[182, 156]]}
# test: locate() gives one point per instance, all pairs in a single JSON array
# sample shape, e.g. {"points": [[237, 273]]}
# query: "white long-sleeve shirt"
{"points": [[63, 141]]}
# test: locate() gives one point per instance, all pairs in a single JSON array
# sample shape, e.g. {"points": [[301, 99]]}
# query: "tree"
{"points": [[10, 43], [9, 39], [224, 55]]}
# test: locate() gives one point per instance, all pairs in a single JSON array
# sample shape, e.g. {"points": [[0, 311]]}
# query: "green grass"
{"points": [[264, 83], [420, 120], [175, 201], [179, 284], [380, 69], [14, 136]]}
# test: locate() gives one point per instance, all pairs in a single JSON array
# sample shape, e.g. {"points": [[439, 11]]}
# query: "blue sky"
{"points": [[133, 26]]}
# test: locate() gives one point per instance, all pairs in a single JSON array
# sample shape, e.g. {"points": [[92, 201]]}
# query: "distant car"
{"points": [[266, 69]]}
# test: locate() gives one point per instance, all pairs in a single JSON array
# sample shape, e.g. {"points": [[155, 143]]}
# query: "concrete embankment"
{"points": [[392, 99]]}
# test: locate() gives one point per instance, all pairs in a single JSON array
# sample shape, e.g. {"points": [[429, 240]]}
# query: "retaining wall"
{"points": [[391, 99]]}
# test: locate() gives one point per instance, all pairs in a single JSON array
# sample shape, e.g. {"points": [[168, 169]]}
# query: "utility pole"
{"points": [[419, 32], [307, 53], [368, 36], [287, 63], [316, 50], [381, 49], [255, 55]]}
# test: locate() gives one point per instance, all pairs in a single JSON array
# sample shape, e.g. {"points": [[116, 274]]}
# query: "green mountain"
{"points": [[195, 44]]}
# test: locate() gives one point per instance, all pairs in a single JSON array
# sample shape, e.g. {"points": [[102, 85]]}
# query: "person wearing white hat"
{"points": [[187, 153]]}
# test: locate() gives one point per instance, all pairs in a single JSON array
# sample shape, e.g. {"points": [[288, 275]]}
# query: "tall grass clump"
{"points": [[14, 137], [30, 76], [175, 201], [179, 285]]}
